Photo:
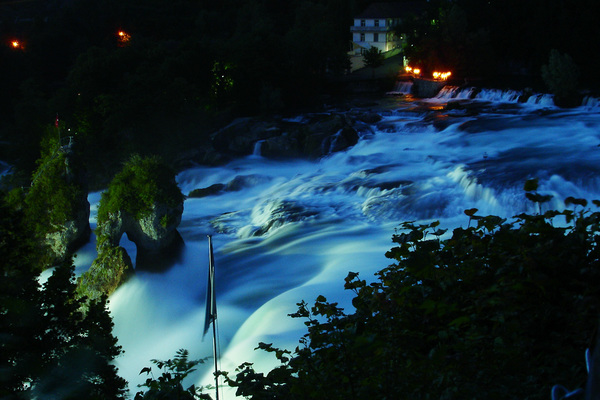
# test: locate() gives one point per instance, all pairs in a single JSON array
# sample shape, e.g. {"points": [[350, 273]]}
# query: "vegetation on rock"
{"points": [[108, 271], [51, 200], [55, 206], [497, 310], [144, 186], [142, 183]]}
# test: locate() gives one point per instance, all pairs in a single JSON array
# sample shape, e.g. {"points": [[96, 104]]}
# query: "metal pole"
{"points": [[213, 308], [215, 357]]}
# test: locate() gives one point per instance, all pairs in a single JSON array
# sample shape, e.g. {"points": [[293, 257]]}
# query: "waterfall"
{"points": [[402, 87], [493, 95], [541, 100], [502, 96], [591, 102], [454, 92], [298, 227], [257, 148]]}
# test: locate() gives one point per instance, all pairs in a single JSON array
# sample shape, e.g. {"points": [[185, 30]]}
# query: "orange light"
{"points": [[15, 44], [441, 75], [411, 70], [124, 38]]}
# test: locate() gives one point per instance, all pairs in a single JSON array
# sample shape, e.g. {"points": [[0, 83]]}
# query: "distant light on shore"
{"points": [[124, 38], [442, 76], [17, 44]]}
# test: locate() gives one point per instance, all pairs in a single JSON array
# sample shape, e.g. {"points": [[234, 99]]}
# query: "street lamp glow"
{"points": [[124, 37]]}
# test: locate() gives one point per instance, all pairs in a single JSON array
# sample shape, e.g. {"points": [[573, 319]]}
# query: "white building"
{"points": [[374, 27]]}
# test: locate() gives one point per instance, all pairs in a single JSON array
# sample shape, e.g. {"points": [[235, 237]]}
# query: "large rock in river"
{"points": [[144, 202], [108, 271], [153, 232], [312, 136], [57, 204]]}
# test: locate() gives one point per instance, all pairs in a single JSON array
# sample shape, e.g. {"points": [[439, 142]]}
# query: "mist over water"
{"points": [[296, 228]]}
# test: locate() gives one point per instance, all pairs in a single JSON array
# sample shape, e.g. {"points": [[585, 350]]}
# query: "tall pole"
{"points": [[215, 357], [213, 310]]}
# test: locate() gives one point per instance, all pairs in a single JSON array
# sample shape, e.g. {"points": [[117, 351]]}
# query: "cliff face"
{"points": [[73, 234]]}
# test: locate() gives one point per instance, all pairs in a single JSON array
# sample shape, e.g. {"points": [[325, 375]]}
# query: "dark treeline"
{"points": [[190, 65], [506, 38], [187, 66]]}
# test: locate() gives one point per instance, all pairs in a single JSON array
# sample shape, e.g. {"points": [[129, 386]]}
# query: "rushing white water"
{"points": [[298, 227], [450, 92]]}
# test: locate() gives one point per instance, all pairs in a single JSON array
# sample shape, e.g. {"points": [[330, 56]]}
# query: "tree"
{"points": [[19, 302], [50, 348], [373, 58], [78, 347], [561, 75], [497, 310]]}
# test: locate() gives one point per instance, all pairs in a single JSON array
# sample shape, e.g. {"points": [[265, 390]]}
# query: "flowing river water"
{"points": [[296, 227]]}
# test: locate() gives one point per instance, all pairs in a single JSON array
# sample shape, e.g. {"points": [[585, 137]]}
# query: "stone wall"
{"points": [[426, 87]]}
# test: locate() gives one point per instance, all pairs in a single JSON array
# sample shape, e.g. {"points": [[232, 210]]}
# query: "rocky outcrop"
{"points": [[144, 202], [313, 136], [57, 203], [73, 233], [153, 233], [157, 240], [106, 274]]}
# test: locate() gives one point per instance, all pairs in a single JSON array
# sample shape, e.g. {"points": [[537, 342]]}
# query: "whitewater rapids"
{"points": [[298, 227]]}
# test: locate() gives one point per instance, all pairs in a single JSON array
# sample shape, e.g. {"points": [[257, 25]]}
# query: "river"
{"points": [[298, 227]]}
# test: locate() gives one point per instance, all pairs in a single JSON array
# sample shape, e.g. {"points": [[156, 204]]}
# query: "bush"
{"points": [[170, 384], [141, 183], [498, 310]]}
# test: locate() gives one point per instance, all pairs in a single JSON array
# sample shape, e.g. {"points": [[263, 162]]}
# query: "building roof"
{"points": [[392, 10]]}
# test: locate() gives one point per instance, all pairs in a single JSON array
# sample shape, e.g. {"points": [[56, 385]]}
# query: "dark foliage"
{"points": [[498, 310], [142, 183], [494, 39], [160, 92], [373, 58], [49, 348], [169, 385]]}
